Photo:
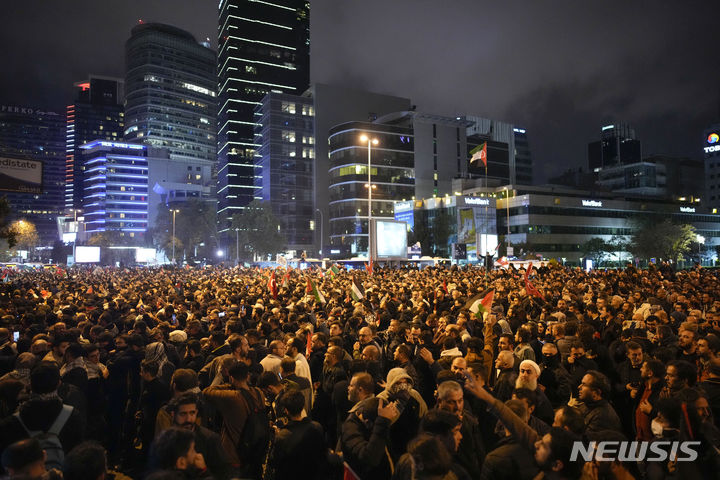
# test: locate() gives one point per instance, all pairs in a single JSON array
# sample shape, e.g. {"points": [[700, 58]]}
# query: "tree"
{"points": [[7, 235], [26, 236], [195, 229], [663, 240], [596, 248], [260, 229], [617, 245]]}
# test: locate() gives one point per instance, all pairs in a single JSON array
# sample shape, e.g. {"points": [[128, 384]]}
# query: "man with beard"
{"points": [[599, 414], [184, 411], [471, 451], [687, 344], [554, 377], [505, 382], [708, 347], [645, 396], [552, 451], [630, 378], [528, 378]]}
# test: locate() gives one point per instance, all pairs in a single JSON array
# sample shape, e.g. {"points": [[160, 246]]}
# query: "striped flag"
{"points": [[529, 287], [272, 285], [479, 304], [313, 290], [334, 270], [479, 153], [357, 291]]}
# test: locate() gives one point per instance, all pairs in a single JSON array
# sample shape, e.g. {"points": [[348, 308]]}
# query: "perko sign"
{"points": [[713, 141]]}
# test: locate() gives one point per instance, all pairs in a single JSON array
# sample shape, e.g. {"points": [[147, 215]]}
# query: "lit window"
{"points": [[288, 136], [288, 107]]}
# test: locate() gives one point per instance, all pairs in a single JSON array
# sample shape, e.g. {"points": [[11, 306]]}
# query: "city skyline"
{"points": [[588, 65]]}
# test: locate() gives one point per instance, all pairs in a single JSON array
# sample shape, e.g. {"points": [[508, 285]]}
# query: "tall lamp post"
{"points": [[370, 143], [77, 230], [237, 246], [507, 218], [174, 211], [321, 231]]}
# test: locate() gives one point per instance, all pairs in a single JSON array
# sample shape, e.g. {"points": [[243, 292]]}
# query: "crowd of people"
{"points": [[392, 373]]}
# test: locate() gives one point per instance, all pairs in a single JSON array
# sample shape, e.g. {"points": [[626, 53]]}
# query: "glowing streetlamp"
{"points": [[173, 235], [370, 186]]}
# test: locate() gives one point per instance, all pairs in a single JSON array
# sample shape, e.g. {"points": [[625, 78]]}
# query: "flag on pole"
{"points": [[349, 473], [334, 270], [529, 287], [479, 153], [480, 304], [286, 279], [357, 291], [445, 287], [313, 290], [272, 285]]}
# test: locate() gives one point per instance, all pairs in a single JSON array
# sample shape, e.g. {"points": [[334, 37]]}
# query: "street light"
{"points": [[174, 211], [700, 241], [321, 231], [370, 143], [507, 204], [237, 246]]}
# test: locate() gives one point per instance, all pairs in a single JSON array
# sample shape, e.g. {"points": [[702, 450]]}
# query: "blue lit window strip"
{"points": [[102, 143]]}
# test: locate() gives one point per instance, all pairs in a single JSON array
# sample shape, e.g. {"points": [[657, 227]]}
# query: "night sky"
{"points": [[561, 69]]}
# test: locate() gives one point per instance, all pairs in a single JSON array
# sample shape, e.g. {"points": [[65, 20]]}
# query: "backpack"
{"points": [[50, 441], [255, 436]]}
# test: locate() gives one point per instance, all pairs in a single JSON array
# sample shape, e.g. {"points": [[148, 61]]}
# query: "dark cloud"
{"points": [[561, 68]]}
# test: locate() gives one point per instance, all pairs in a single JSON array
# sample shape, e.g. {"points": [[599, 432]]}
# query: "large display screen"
{"points": [[145, 255], [87, 254], [391, 239]]}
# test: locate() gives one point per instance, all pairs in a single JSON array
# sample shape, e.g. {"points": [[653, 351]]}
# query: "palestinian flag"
{"points": [[357, 291], [313, 290], [272, 285], [479, 305], [334, 270], [479, 153]]}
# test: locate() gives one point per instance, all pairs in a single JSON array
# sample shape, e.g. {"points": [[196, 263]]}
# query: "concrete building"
{"points": [[171, 92], [508, 151], [97, 113], [286, 157], [711, 154], [263, 47], [335, 105], [31, 133]]}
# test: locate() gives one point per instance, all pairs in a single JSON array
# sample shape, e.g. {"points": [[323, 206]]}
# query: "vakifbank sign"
{"points": [[21, 175]]}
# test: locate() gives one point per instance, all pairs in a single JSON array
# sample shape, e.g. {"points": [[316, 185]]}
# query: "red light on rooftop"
{"points": [[84, 86], [140, 21]]}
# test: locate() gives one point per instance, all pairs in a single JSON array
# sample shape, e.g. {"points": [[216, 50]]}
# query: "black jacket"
{"points": [[300, 451], [364, 445]]}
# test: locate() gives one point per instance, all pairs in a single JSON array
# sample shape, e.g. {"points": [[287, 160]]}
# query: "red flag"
{"points": [[272, 285], [445, 286], [309, 287], [529, 287], [89, 290], [308, 345], [349, 473], [369, 268], [45, 294]]}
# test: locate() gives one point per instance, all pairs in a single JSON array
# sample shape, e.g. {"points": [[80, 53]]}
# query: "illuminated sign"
{"points": [[477, 201], [714, 148], [607, 127], [687, 209], [713, 138], [591, 203], [23, 110], [403, 206], [519, 130], [21, 175]]}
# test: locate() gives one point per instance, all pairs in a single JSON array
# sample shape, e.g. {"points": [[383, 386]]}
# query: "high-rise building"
{"points": [[35, 134], [115, 187], [508, 151], [711, 151], [618, 145], [417, 155], [263, 47], [392, 176], [286, 157], [171, 97], [96, 114]]}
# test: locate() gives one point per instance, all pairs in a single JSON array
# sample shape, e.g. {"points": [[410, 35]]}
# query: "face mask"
{"points": [[657, 428]]}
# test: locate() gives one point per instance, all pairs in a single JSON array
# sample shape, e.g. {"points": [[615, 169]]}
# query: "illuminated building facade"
{"points": [[96, 114], [115, 187], [711, 152], [286, 157], [35, 134], [171, 97], [263, 47]]}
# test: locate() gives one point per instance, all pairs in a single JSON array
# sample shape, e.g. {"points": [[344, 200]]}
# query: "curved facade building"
{"points": [[392, 176], [171, 97]]}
